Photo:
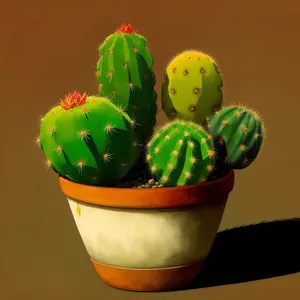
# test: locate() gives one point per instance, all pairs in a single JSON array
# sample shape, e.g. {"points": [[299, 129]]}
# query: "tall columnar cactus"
{"points": [[181, 153], [88, 140], [192, 89], [124, 73], [242, 132]]}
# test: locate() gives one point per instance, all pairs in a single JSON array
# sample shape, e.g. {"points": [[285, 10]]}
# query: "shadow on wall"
{"points": [[253, 252]]}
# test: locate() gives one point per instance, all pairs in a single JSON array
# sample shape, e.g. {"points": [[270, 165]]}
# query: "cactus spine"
{"points": [[242, 132], [181, 153], [192, 89], [88, 140], [124, 73]]}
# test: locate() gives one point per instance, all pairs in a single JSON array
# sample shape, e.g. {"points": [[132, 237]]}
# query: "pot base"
{"points": [[148, 280]]}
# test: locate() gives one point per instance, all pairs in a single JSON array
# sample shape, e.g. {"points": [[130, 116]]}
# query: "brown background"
{"points": [[49, 48]]}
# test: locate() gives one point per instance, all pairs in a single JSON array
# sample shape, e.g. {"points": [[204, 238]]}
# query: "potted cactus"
{"points": [[148, 204]]}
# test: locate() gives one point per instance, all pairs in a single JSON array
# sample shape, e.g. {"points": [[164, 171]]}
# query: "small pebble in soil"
{"points": [[151, 182]]}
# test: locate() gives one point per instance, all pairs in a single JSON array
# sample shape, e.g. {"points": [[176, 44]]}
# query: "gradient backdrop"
{"points": [[49, 48]]}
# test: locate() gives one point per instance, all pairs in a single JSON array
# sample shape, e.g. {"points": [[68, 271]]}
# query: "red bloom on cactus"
{"points": [[73, 100], [125, 29]]}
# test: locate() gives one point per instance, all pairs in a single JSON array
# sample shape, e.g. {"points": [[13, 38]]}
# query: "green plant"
{"points": [[181, 153], [241, 130], [124, 74], [192, 89], [83, 139]]}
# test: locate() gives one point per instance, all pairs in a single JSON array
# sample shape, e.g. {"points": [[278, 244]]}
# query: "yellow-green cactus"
{"points": [[192, 89]]}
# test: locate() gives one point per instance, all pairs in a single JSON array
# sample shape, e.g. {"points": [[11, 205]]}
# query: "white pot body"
{"points": [[147, 238]]}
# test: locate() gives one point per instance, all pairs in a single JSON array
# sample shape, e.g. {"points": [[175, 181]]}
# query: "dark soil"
{"points": [[139, 177]]}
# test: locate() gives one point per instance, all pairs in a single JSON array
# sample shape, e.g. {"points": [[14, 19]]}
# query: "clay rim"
{"points": [[167, 197]]}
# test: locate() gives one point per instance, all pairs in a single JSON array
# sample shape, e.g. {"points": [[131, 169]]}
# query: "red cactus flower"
{"points": [[73, 100], [125, 29]]}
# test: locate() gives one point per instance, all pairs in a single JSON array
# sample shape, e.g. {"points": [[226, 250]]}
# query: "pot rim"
{"points": [[149, 198]]}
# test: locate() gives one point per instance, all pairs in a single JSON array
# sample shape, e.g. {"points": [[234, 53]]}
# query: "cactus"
{"points": [[88, 140], [181, 153], [242, 132], [192, 89], [221, 166], [124, 74]]}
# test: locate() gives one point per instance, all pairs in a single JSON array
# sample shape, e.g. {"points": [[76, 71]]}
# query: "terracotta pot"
{"points": [[148, 239]]}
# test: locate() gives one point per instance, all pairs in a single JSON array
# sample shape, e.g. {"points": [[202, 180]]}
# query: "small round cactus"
{"points": [[193, 87], [242, 132], [88, 140], [124, 74], [181, 153]]}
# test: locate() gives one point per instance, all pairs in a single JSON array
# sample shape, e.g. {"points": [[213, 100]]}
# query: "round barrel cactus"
{"points": [[242, 132], [193, 87], [124, 74], [181, 153], [88, 140]]}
